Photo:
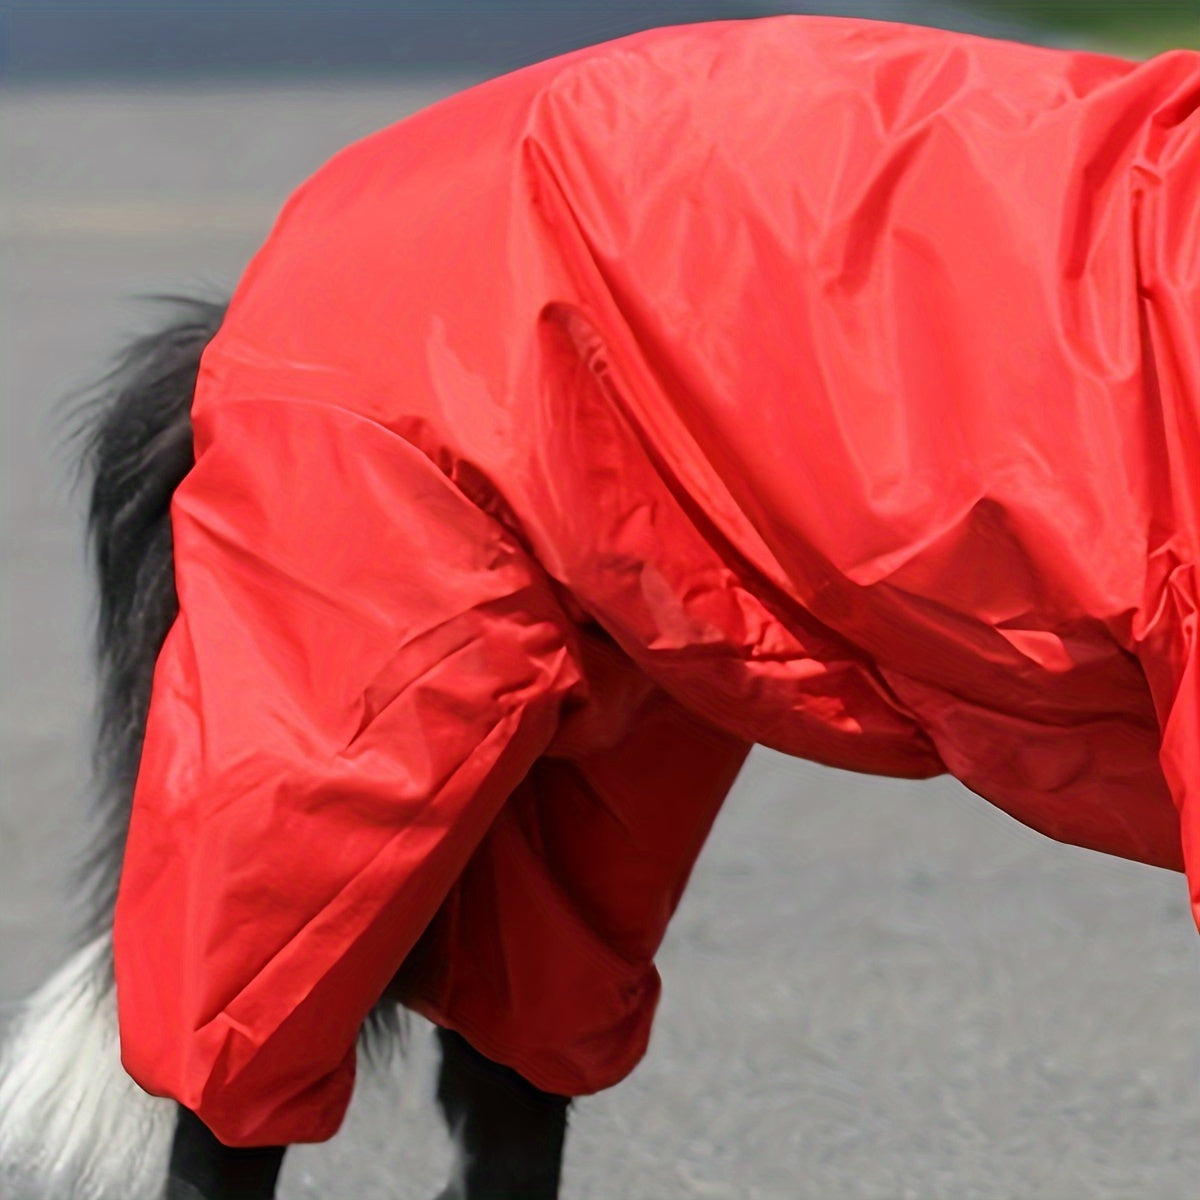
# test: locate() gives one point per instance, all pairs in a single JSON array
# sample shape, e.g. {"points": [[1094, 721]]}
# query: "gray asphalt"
{"points": [[874, 989]]}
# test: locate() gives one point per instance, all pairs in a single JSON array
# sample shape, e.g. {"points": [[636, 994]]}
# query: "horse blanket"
{"points": [[820, 383]]}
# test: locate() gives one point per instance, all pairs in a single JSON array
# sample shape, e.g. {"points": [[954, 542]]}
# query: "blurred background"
{"points": [[873, 989], [150, 39]]}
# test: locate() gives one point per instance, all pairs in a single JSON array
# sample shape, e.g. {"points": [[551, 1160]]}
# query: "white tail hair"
{"points": [[73, 1125]]}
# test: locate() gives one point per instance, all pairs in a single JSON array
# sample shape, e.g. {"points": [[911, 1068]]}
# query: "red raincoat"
{"points": [[813, 382]]}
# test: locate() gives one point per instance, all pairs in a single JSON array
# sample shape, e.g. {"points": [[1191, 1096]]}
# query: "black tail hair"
{"points": [[134, 436], [133, 433]]}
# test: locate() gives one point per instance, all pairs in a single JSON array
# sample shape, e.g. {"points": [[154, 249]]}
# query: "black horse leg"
{"points": [[509, 1139], [509, 1134], [202, 1168]]}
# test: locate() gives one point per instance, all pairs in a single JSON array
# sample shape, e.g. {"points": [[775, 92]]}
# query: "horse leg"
{"points": [[509, 1139], [202, 1168], [509, 1134]]}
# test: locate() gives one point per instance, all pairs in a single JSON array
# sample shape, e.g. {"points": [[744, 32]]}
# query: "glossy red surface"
{"points": [[820, 383]]}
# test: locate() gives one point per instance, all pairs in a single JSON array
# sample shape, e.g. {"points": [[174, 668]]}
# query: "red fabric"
{"points": [[812, 382]]}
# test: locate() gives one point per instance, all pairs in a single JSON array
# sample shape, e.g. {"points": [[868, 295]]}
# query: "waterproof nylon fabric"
{"points": [[820, 383]]}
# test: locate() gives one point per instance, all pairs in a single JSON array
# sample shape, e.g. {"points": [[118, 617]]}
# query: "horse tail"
{"points": [[135, 436], [71, 1120]]}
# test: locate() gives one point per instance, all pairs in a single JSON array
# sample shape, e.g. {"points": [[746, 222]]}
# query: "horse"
{"points": [[676, 550]]}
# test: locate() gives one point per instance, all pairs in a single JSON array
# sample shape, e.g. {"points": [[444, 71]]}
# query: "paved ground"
{"points": [[874, 990]]}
